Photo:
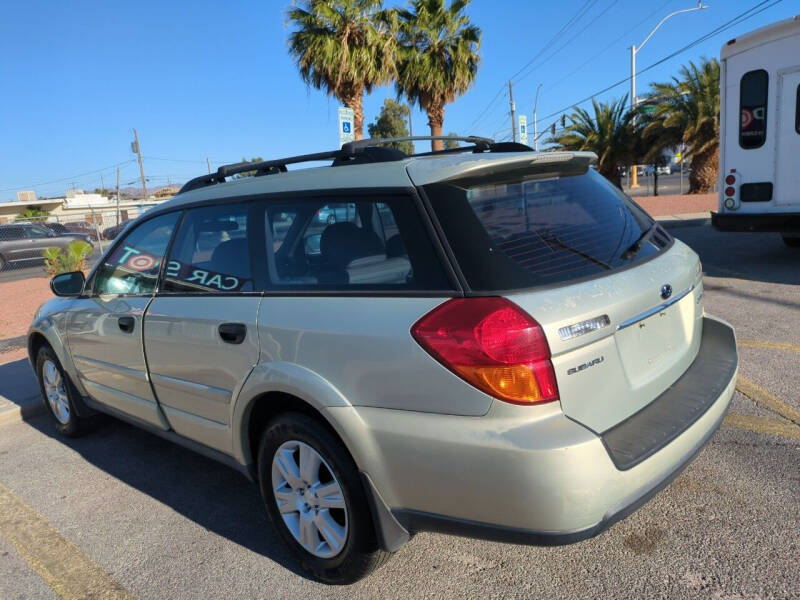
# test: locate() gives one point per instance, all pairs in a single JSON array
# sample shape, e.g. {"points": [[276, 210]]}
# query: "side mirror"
{"points": [[68, 284]]}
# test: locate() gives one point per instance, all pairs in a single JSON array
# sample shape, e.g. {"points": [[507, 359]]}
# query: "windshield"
{"points": [[519, 234]]}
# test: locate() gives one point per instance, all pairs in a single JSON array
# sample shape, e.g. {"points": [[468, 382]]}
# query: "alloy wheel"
{"points": [[310, 499], [55, 391]]}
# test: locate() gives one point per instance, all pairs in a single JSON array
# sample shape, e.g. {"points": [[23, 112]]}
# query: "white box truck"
{"points": [[759, 187]]}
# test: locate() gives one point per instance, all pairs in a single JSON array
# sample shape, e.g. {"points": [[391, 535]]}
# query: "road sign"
{"points": [[523, 129], [346, 125]]}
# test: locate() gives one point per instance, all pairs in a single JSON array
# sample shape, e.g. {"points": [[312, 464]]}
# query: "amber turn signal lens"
{"points": [[514, 383]]}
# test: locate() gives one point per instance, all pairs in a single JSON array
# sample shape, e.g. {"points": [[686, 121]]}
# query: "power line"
{"points": [[596, 55], [569, 41], [714, 32], [572, 21], [69, 178], [492, 101]]}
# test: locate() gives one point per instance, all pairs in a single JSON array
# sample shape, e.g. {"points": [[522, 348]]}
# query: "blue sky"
{"points": [[214, 80]]}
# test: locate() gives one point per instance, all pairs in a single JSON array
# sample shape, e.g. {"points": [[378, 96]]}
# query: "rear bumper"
{"points": [[773, 222], [545, 480]]}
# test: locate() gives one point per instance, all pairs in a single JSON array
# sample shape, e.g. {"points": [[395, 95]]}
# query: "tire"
{"points": [[2, 263], [61, 406], [331, 219], [792, 241], [359, 554]]}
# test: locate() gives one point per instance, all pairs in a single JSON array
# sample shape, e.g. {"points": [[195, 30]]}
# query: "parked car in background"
{"points": [[663, 170], [112, 232], [83, 227], [24, 242], [497, 343]]}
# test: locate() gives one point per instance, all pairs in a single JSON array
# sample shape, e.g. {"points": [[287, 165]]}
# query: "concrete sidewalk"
{"points": [[20, 397]]}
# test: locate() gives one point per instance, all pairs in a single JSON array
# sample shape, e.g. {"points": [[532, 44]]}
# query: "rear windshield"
{"points": [[519, 234]]}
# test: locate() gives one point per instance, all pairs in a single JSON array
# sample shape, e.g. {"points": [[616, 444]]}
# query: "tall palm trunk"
{"points": [[704, 172], [355, 99], [435, 122]]}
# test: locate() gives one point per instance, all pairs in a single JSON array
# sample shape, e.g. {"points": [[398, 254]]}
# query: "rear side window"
{"points": [[132, 268], [518, 234], [210, 253], [361, 244], [11, 233], [753, 109]]}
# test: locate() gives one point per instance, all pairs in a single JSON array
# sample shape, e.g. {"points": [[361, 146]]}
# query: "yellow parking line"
{"points": [[67, 570], [774, 345], [766, 400], [761, 425]]}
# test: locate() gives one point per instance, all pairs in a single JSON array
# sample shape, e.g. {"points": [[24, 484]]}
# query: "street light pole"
{"points": [[535, 126], [634, 50]]}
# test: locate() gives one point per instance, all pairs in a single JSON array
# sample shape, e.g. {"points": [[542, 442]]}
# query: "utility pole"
{"points": [[634, 50], [535, 126], [513, 112], [208, 163], [102, 184], [410, 128], [138, 151], [118, 195]]}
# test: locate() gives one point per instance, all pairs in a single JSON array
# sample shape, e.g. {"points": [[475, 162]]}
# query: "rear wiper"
{"points": [[550, 238], [636, 246]]}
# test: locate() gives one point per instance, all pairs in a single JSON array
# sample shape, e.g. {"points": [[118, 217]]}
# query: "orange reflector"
{"points": [[514, 383]]}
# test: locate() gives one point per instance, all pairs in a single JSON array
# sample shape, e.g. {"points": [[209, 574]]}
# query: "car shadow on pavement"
{"points": [[748, 256], [212, 495], [19, 389]]}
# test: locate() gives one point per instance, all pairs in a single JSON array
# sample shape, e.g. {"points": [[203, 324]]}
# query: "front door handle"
{"points": [[126, 324], [232, 333]]}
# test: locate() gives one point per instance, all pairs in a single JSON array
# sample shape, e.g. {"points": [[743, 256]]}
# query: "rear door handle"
{"points": [[126, 324], [232, 333]]}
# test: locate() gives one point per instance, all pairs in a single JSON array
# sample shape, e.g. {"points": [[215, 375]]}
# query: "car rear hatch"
{"points": [[619, 300]]}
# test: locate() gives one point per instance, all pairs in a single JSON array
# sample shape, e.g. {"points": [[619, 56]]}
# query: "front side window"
{"points": [[210, 253], [516, 234], [374, 244], [753, 109], [132, 268]]}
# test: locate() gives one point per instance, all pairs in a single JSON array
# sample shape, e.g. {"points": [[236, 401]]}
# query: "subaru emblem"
{"points": [[666, 291]]}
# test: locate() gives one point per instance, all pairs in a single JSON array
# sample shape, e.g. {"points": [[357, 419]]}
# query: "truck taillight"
{"points": [[492, 344]]}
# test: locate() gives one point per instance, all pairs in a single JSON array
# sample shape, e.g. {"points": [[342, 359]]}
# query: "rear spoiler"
{"points": [[470, 169]]}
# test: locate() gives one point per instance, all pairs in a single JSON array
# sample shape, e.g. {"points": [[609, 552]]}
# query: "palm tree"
{"points": [[689, 105], [608, 133], [437, 56], [343, 47]]}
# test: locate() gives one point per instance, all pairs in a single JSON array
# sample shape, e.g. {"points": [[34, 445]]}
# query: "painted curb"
{"points": [[31, 407]]}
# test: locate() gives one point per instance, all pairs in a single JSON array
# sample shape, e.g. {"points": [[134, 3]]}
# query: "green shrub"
{"points": [[66, 260]]}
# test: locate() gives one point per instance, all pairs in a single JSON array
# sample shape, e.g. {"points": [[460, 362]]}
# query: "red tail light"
{"points": [[492, 344]]}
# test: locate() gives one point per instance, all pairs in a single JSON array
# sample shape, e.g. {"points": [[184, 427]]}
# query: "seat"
{"points": [[231, 258]]}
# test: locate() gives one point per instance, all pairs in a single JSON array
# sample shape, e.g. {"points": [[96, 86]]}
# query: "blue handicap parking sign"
{"points": [[346, 126]]}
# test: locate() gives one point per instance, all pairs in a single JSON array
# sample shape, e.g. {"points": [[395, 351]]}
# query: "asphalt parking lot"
{"points": [[121, 513]]}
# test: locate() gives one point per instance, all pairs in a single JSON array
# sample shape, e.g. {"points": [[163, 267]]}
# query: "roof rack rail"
{"points": [[481, 142], [351, 153]]}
